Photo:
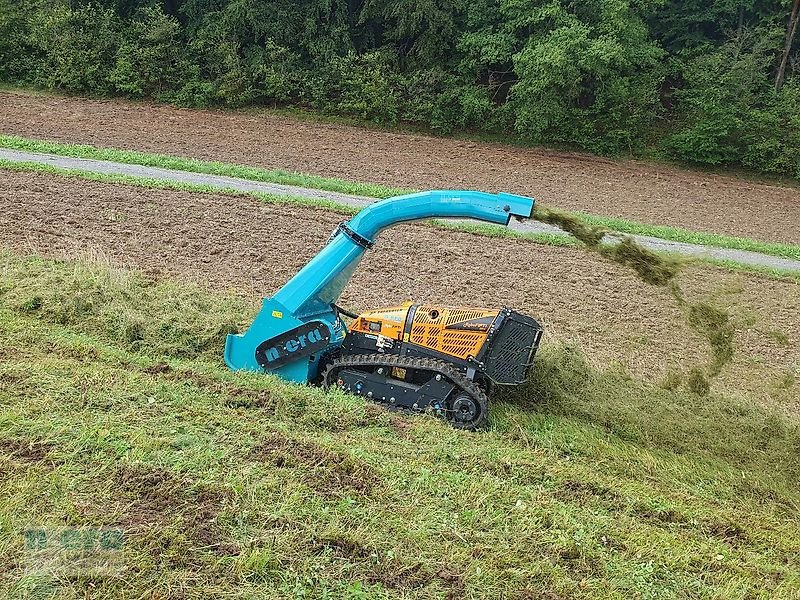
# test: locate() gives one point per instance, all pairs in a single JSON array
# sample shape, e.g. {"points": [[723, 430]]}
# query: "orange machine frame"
{"points": [[458, 332]]}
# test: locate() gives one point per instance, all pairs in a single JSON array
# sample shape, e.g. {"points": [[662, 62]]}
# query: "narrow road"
{"points": [[245, 185]]}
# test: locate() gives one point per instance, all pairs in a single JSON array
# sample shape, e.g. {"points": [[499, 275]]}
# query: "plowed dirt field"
{"points": [[635, 190], [250, 247]]}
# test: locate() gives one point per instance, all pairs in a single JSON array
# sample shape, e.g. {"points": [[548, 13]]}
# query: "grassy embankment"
{"points": [[115, 410], [373, 190]]}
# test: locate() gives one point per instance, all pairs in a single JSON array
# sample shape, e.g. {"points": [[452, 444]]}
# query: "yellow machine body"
{"points": [[455, 332], [448, 359]]}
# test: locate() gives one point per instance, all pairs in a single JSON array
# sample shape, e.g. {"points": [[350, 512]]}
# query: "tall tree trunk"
{"points": [[740, 24], [791, 29]]}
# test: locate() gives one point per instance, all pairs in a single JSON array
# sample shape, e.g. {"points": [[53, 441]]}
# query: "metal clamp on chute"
{"points": [[356, 237]]}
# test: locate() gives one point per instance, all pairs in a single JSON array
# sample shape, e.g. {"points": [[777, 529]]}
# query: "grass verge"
{"points": [[676, 234], [116, 412], [169, 184], [192, 165], [566, 241]]}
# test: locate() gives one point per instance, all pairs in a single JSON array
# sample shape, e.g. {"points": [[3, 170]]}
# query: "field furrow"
{"points": [[640, 191]]}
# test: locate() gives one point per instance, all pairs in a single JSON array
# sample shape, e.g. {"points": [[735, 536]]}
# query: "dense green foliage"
{"points": [[694, 80]]}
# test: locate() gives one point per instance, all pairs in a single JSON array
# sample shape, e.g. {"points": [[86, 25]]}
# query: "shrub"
{"points": [[365, 86], [593, 80], [78, 47], [730, 113], [144, 62]]}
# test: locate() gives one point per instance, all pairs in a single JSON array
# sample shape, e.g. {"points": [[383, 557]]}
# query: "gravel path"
{"points": [[100, 166]]}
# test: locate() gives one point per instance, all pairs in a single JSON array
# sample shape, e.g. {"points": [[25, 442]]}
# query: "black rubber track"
{"points": [[425, 364]]}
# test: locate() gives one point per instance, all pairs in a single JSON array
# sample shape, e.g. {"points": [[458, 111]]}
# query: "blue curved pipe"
{"points": [[322, 280], [311, 292], [494, 208]]}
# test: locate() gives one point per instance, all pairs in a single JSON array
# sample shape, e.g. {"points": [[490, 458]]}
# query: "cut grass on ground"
{"points": [[116, 411], [478, 229], [372, 190]]}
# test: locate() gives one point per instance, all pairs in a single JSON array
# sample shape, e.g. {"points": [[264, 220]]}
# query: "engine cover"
{"points": [[499, 343]]}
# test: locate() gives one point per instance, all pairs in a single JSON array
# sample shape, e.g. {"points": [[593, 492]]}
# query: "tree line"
{"points": [[707, 81]]}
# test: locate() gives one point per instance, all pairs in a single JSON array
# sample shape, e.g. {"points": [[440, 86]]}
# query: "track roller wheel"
{"points": [[468, 410]]}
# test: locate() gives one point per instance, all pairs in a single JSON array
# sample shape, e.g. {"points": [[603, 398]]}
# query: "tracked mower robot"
{"points": [[415, 357]]}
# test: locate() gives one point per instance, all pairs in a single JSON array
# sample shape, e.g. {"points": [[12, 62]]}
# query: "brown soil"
{"points": [[156, 496], [242, 245], [328, 473], [282, 451], [635, 190], [27, 452], [235, 395]]}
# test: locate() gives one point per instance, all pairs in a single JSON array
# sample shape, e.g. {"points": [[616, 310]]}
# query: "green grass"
{"points": [[115, 411], [169, 184], [374, 190], [732, 265], [498, 231], [494, 231]]}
